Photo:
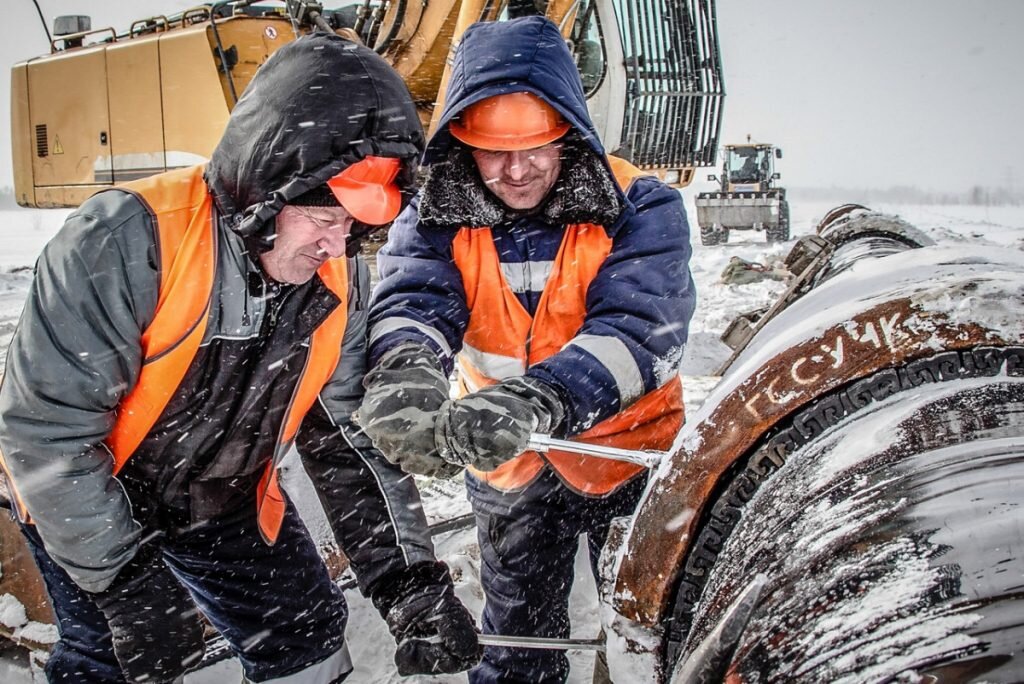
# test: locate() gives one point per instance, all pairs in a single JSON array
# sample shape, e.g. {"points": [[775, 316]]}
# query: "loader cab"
{"points": [[749, 168]]}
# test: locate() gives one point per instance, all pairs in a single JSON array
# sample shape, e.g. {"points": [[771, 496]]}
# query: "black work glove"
{"points": [[157, 631], [434, 631], [487, 428], [403, 391]]}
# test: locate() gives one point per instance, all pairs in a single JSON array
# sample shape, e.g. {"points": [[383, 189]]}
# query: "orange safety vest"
{"points": [[187, 236], [510, 341]]}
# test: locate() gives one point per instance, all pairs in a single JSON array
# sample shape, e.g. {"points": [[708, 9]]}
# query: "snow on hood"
{"points": [[319, 104]]}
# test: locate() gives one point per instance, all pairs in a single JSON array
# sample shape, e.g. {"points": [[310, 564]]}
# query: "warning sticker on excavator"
{"points": [[57, 147]]}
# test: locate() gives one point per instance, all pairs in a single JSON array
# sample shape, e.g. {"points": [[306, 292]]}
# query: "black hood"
{"points": [[319, 104]]}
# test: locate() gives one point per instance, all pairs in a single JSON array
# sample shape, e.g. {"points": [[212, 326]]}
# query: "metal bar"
{"points": [[713, 54], [542, 642], [648, 52], [674, 60], [544, 443], [320, 22], [689, 131], [221, 53]]}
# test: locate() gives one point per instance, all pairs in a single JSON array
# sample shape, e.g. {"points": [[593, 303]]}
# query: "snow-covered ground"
{"points": [[24, 232]]}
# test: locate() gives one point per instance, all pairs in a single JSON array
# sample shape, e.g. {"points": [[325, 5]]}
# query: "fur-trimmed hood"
{"points": [[454, 193], [495, 58]]}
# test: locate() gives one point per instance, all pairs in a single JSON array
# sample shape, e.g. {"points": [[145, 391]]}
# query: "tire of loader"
{"points": [[779, 233], [713, 235]]}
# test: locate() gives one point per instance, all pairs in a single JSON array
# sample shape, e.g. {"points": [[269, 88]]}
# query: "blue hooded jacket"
{"points": [[643, 296], [496, 58]]}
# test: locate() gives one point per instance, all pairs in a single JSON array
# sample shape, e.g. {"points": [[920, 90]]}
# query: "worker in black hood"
{"points": [[182, 334], [301, 122]]}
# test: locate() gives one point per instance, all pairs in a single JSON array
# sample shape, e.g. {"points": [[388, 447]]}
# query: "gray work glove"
{"points": [[403, 392], [156, 628], [487, 428]]}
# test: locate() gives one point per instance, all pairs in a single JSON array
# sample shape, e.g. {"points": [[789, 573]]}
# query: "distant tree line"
{"points": [[908, 194]]}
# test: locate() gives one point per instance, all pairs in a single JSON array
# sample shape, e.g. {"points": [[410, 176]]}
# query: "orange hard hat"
{"points": [[367, 189], [513, 121]]}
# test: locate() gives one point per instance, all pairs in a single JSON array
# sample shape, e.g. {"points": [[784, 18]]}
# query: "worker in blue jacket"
{"points": [[555, 279]]}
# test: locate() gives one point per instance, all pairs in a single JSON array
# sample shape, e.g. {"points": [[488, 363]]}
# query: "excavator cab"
{"points": [[656, 89]]}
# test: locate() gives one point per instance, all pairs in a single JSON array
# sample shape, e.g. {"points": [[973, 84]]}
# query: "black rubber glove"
{"points": [[487, 428], [403, 392], [434, 631], [157, 631]]}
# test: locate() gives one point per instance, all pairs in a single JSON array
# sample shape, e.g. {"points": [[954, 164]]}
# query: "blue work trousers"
{"points": [[276, 606], [528, 544]]}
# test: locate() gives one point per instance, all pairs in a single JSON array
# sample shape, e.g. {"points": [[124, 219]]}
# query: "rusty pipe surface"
{"points": [[890, 312], [888, 543], [809, 350]]}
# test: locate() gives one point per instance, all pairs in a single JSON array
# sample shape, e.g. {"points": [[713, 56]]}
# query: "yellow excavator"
{"points": [[106, 107]]}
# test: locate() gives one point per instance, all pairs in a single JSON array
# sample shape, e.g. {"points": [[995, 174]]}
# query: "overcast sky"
{"points": [[858, 93]]}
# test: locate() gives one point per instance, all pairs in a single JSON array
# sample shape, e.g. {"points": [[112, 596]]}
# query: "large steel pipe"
{"points": [[878, 397]]}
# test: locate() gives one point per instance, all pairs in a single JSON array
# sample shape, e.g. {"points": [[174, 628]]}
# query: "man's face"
{"points": [[520, 178], [306, 238]]}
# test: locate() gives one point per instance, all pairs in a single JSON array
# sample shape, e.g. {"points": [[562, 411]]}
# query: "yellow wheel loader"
{"points": [[748, 197], [105, 107]]}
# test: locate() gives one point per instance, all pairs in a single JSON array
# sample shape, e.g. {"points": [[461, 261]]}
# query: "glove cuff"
{"points": [[545, 395], [408, 355], [408, 362], [391, 589], [146, 562]]}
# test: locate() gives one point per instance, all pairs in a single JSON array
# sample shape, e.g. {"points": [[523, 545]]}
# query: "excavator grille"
{"points": [[674, 88]]}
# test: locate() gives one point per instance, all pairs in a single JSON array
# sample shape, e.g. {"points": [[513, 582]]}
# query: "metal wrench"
{"points": [[528, 642], [647, 459], [544, 443], [541, 642]]}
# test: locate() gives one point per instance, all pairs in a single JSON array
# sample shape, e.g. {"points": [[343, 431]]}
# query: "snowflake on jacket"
{"points": [[642, 297]]}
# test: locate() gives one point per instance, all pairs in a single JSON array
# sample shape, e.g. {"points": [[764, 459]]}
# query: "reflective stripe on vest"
{"points": [[182, 210], [502, 340], [186, 243]]}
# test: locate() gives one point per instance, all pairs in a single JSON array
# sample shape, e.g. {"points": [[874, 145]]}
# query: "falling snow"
{"points": [[25, 231]]}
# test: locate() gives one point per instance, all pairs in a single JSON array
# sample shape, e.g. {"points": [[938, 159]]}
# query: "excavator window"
{"points": [[587, 44], [585, 40]]}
